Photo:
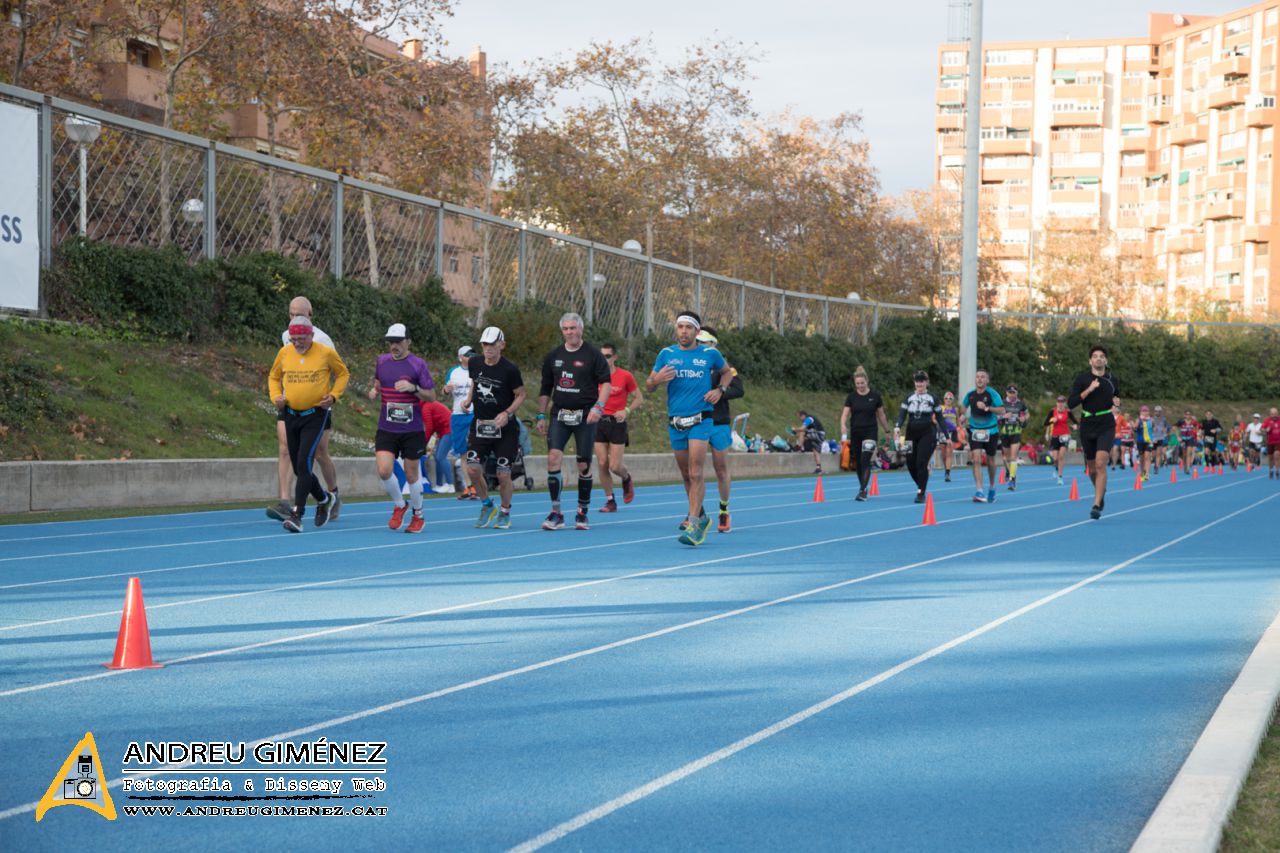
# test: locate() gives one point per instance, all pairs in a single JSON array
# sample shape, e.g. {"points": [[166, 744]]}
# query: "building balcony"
{"points": [[1155, 220], [1228, 96], [1093, 196], [1006, 117], [1001, 196], [1235, 265], [1189, 134], [1230, 65], [124, 83], [1150, 195], [1157, 86], [1131, 248], [1226, 209], [1077, 118], [1013, 221], [1006, 146], [1005, 174], [1067, 141], [1181, 244], [1136, 142], [952, 95], [1260, 116], [1257, 234], [1004, 250], [1085, 91], [1237, 181], [1071, 223], [949, 121], [1076, 170], [1159, 115]]}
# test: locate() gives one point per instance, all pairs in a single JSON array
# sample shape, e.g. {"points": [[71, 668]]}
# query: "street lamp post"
{"points": [[83, 132]]}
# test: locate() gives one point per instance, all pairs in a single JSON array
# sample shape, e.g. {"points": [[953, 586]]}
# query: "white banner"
{"points": [[19, 207]]}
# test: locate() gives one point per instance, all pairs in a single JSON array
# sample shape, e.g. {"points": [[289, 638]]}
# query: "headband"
{"points": [[301, 330], [685, 318]]}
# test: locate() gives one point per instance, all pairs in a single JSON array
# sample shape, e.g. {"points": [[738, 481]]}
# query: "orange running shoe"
{"points": [[397, 517], [724, 526], [609, 506], [415, 524], [628, 491]]}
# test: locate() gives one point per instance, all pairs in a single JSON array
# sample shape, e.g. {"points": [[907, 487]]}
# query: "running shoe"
{"points": [[1059, 481], [488, 512], [696, 534], [947, 479], [609, 506], [335, 501], [416, 523], [684, 525], [397, 517], [281, 511], [322, 511], [444, 489], [1013, 484], [555, 521], [991, 496], [861, 496], [504, 521], [1095, 513], [919, 497], [580, 520], [468, 494], [979, 497], [293, 524], [818, 470], [628, 491], [724, 526]]}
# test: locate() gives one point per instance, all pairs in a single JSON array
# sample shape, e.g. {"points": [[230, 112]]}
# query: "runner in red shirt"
{"points": [[611, 433], [1060, 422], [1122, 450], [436, 423], [1189, 439], [1271, 429]]}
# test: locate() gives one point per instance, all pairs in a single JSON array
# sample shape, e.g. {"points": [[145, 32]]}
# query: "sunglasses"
{"points": [[394, 340]]}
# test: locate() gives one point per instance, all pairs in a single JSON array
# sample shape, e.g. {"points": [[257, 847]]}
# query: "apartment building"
{"points": [[1161, 145]]}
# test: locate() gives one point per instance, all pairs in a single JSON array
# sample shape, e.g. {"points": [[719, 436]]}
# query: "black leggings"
{"points": [[863, 456], [303, 433], [924, 440]]}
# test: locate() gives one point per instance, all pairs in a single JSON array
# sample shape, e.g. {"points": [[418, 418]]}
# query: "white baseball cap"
{"points": [[464, 350], [491, 335], [396, 330]]}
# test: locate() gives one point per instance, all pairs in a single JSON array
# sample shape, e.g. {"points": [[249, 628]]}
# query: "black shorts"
{"points": [[584, 436], [1008, 439], [503, 449], [611, 431], [1062, 441], [991, 446], [406, 445], [1097, 434], [327, 424], [814, 441]]}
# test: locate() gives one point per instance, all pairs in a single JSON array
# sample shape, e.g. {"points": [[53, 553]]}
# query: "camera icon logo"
{"points": [[83, 786], [79, 783]]}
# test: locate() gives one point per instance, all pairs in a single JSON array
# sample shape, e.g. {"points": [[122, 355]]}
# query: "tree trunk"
{"points": [[370, 237], [273, 199]]}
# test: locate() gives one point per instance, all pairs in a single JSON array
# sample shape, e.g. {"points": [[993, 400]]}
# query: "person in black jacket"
{"points": [[810, 436], [921, 413], [1096, 393], [722, 427]]}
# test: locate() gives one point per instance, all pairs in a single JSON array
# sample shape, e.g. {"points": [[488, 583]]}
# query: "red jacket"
{"points": [[435, 418]]}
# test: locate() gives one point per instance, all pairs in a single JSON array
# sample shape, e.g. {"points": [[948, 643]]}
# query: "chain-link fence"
{"points": [[126, 182]]}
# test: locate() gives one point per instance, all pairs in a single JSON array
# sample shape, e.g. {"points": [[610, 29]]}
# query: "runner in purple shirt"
{"points": [[402, 381]]}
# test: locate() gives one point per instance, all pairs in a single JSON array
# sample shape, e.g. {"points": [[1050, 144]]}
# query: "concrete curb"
{"points": [[1198, 804]]}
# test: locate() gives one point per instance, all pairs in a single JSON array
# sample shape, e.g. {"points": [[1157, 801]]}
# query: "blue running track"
{"points": [[826, 676]]}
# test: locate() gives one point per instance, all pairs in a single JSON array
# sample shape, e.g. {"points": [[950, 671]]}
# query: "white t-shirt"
{"points": [[317, 336], [1254, 432], [460, 379]]}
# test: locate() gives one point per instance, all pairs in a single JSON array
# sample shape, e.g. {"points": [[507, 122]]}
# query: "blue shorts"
{"points": [[459, 425], [697, 432], [721, 436]]}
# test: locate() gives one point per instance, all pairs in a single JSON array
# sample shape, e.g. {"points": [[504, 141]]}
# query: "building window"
{"points": [[1137, 51], [141, 54], [953, 57], [453, 264]]}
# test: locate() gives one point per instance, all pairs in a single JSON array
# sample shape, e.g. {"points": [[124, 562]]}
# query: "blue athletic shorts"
{"points": [[697, 432], [721, 436], [459, 425]]}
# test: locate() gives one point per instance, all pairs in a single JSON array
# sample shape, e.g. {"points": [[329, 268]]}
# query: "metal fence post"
{"points": [[211, 200], [648, 295], [742, 306], [589, 308], [782, 312], [522, 255], [440, 243], [826, 318], [875, 318], [335, 249], [45, 225], [697, 292]]}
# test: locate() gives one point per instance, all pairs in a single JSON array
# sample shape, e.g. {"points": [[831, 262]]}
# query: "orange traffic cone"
{"points": [[875, 487], [1137, 483], [1001, 476], [1173, 475], [1075, 490], [1195, 473], [1248, 467], [929, 518], [818, 497], [133, 645]]}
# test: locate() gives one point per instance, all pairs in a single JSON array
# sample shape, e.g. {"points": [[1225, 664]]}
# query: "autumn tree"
{"points": [[53, 45], [1077, 271]]}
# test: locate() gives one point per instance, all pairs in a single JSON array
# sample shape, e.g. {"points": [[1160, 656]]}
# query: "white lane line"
{"points": [[340, 629], [359, 578], [501, 676], [653, 786], [357, 507]]}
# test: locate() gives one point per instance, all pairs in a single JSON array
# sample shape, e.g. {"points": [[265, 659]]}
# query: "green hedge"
{"points": [[157, 294]]}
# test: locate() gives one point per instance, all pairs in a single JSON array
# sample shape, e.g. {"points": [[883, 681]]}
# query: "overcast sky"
{"points": [[820, 58]]}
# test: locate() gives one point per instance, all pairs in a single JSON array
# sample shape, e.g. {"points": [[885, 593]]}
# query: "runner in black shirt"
{"points": [[862, 408], [497, 391], [1211, 429], [575, 380], [922, 414], [1096, 393]]}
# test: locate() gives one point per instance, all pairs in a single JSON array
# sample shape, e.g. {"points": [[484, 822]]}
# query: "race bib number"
{"points": [[981, 436], [400, 413], [488, 429], [686, 423], [569, 417]]}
